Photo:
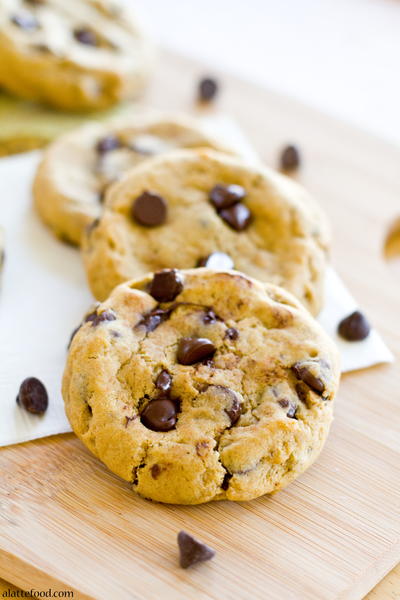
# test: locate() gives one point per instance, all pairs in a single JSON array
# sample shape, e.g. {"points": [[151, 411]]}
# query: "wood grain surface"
{"points": [[69, 524]]}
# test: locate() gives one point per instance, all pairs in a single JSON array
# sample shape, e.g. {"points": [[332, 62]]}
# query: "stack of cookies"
{"points": [[201, 374]]}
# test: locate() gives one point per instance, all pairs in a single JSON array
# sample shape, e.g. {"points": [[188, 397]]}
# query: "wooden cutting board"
{"points": [[69, 524]]}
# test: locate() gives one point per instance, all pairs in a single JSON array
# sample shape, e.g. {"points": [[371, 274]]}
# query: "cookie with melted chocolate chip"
{"points": [[209, 209], [75, 56], [199, 385], [76, 171]]}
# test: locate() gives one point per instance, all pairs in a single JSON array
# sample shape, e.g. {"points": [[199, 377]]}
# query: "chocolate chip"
{"points": [[85, 36], [290, 158], [25, 21], [237, 216], [218, 261], [235, 409], [231, 333], [166, 285], [107, 144], [32, 396], [354, 328], [192, 350], [224, 196], [191, 551], [303, 392], [303, 373], [154, 318], [155, 471], [210, 317], [208, 89], [164, 381], [149, 209], [159, 415], [225, 481], [284, 403], [106, 315]]}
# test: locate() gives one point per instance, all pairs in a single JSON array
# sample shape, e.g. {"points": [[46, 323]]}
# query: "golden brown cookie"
{"points": [[75, 54], [181, 208], [200, 385]]}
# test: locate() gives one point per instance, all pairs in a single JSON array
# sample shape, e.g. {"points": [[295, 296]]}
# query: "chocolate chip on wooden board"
{"points": [[354, 328], [290, 158], [192, 551], [32, 396], [207, 89]]}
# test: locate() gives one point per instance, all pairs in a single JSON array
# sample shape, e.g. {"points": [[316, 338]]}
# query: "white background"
{"points": [[341, 56]]}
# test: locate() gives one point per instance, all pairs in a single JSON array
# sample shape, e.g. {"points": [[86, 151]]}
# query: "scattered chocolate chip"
{"points": [[210, 317], [149, 209], [32, 396], [106, 315], [159, 415], [166, 285], [284, 403], [164, 381], [354, 328], [85, 36], [224, 196], [192, 350], [225, 481], [154, 318], [235, 410], [231, 333], [237, 216], [25, 21], [208, 89], [218, 261], [303, 373], [107, 144], [155, 471], [191, 551], [290, 158], [91, 316]]}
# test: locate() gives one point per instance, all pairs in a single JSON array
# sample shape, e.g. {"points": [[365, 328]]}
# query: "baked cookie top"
{"points": [[200, 385], [76, 170], [178, 209], [79, 54]]}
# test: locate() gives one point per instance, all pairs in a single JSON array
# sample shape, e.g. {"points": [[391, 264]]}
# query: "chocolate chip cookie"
{"points": [[199, 207], [200, 385], [74, 55], [77, 169]]}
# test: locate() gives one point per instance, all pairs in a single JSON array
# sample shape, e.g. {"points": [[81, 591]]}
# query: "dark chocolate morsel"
{"points": [[303, 373], [107, 144], [235, 409], [106, 315], [159, 415], [191, 551], [192, 350], [33, 396], [208, 89], [224, 196], [225, 481], [166, 285], [354, 328], [85, 36], [290, 158], [231, 333], [164, 381], [237, 216], [154, 318], [149, 209], [210, 317]]}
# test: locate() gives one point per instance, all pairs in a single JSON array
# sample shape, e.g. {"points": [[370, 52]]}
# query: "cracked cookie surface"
{"points": [[76, 170], [220, 387], [265, 223], [74, 55]]}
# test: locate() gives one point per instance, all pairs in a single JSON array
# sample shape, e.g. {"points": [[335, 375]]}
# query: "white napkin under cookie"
{"points": [[44, 295]]}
